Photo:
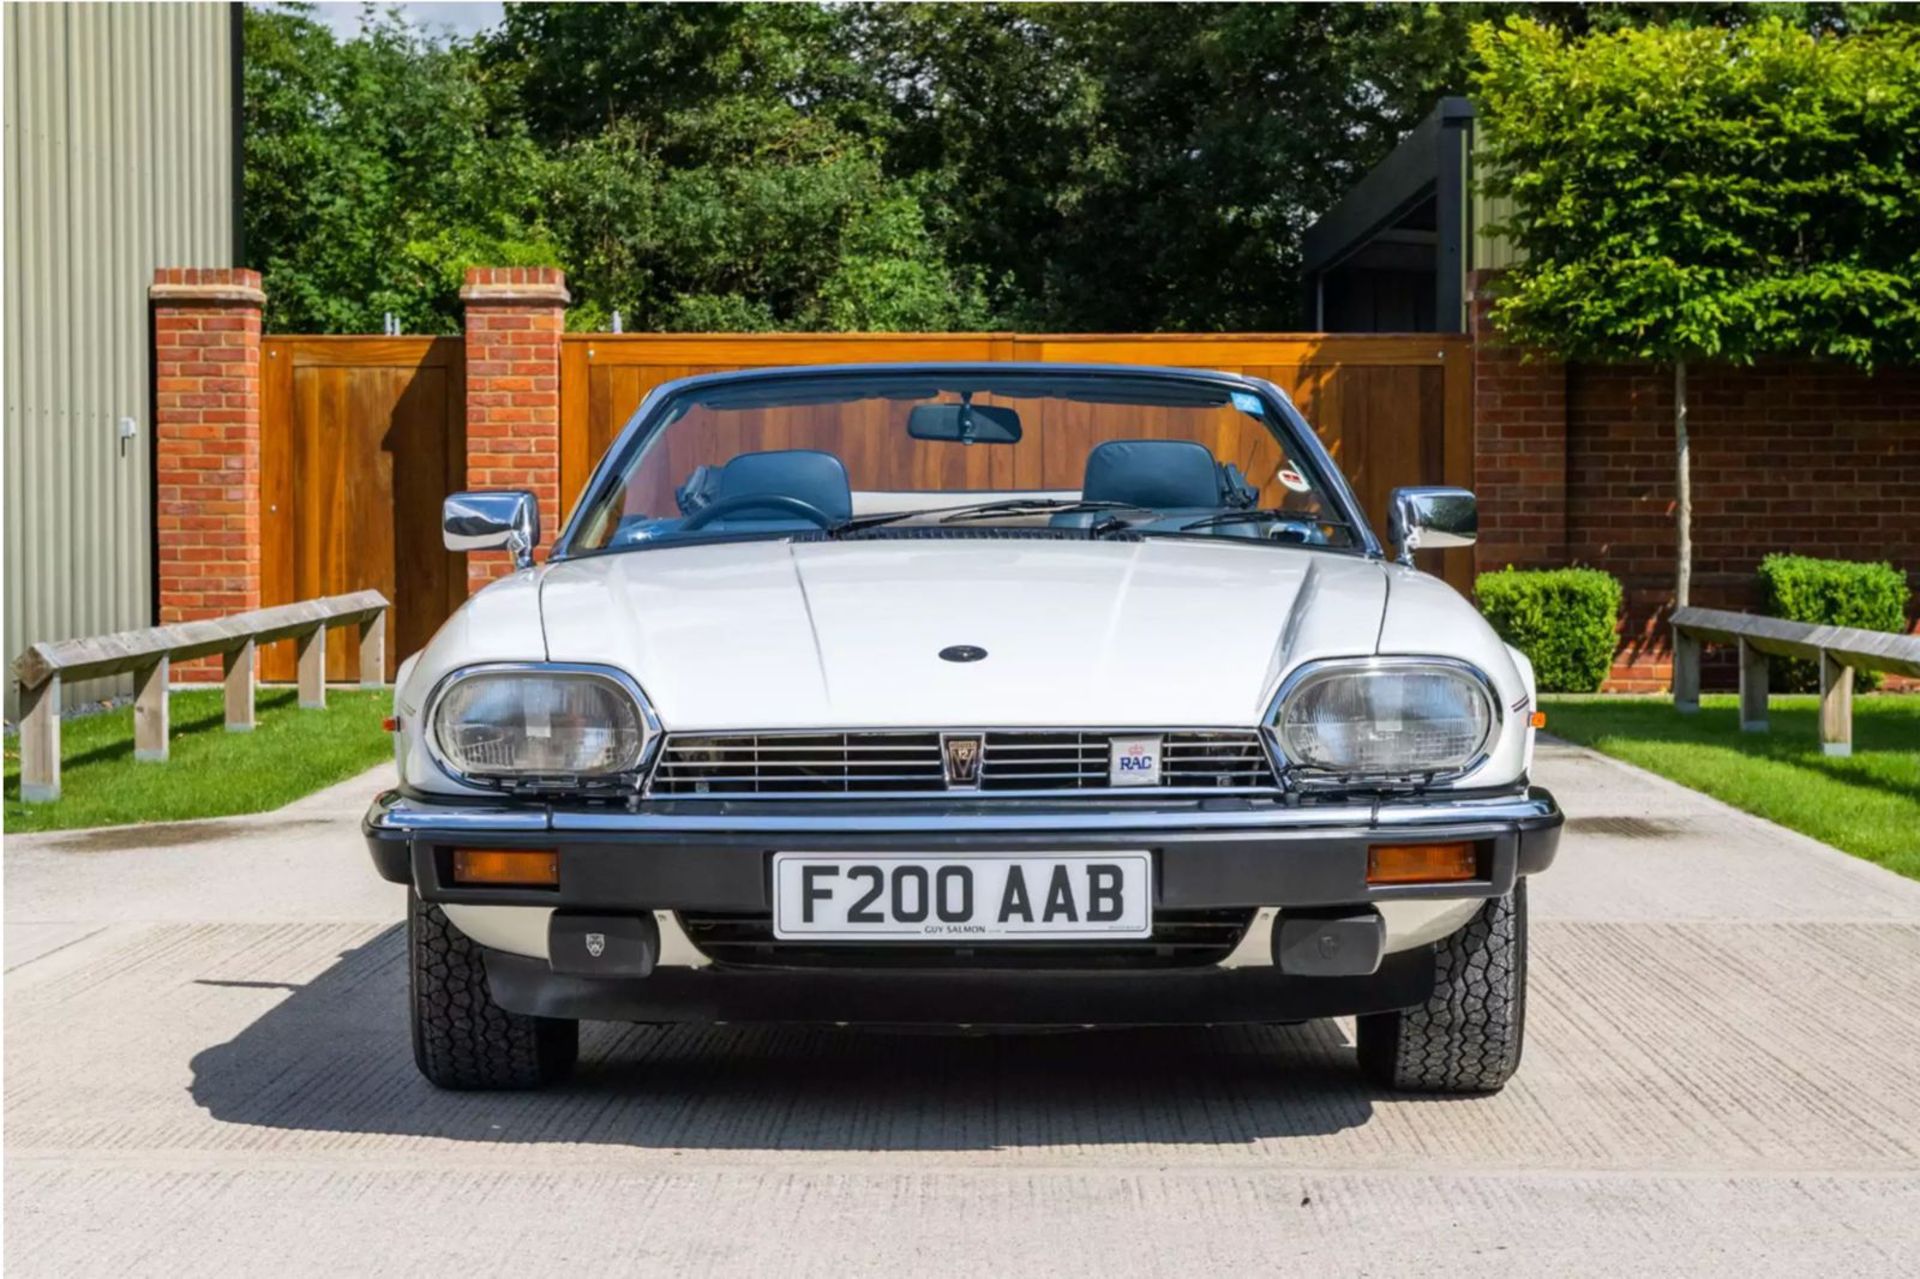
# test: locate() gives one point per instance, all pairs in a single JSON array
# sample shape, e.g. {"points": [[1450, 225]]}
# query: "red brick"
{"points": [[206, 425], [1794, 456], [513, 402]]}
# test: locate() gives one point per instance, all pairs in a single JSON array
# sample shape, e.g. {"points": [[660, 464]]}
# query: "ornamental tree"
{"points": [[1689, 195]]}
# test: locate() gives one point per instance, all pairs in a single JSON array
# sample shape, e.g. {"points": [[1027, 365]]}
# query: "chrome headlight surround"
{"points": [[624, 772], [1310, 771]]}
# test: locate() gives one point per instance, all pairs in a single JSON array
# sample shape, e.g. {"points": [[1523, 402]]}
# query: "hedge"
{"points": [[1563, 619], [1872, 597]]}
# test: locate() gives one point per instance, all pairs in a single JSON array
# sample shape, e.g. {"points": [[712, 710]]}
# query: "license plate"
{"points": [[985, 896]]}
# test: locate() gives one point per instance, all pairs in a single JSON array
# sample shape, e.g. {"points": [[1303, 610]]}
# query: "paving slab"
{"points": [[207, 1070]]}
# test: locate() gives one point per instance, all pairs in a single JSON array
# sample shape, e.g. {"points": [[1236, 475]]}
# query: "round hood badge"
{"points": [[962, 653]]}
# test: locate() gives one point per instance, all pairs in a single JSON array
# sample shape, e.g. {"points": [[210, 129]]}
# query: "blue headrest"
{"points": [[1162, 474], [819, 479]]}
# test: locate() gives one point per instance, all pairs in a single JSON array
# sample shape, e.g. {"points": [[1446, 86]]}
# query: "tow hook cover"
{"points": [[1348, 945], [602, 945]]}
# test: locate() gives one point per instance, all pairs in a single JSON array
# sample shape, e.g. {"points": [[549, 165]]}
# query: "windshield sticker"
{"points": [[1292, 479], [1247, 402]]}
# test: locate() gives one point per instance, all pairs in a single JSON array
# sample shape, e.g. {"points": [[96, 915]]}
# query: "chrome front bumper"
{"points": [[714, 856], [678, 862]]}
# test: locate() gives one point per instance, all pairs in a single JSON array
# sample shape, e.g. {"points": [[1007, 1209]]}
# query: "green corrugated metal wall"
{"points": [[120, 158], [1490, 252]]}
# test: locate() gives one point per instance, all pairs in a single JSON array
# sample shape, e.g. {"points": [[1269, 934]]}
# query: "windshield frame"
{"points": [[1297, 437]]}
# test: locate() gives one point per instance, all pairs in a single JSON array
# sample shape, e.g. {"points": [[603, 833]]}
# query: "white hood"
{"points": [[771, 634]]}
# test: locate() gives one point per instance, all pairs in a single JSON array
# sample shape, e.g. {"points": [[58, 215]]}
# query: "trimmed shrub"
{"points": [[1869, 596], [1563, 619]]}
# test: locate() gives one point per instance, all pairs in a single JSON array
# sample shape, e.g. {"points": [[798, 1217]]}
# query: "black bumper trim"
{"points": [[636, 868], [997, 999]]}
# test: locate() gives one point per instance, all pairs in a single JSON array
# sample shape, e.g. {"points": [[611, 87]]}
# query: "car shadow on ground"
{"points": [[334, 1057]]}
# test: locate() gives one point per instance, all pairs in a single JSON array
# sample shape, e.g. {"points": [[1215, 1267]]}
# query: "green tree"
{"points": [[749, 165], [719, 167], [1682, 195], [773, 219], [575, 70], [1119, 166], [695, 167], [375, 173]]}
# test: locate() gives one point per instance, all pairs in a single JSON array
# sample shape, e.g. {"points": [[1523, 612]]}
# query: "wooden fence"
{"points": [[1839, 650], [363, 436], [150, 654]]}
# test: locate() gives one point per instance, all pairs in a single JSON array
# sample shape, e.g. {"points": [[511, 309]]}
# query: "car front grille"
{"points": [[1181, 939], [1012, 761]]}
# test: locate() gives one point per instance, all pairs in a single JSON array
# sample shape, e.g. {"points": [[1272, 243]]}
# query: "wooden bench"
{"points": [[1840, 650], [150, 655]]}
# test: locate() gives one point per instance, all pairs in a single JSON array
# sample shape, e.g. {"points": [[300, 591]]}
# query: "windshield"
{"points": [[1069, 455]]}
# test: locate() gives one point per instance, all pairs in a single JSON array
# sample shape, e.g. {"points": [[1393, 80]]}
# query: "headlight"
{"points": [[555, 723], [1385, 718]]}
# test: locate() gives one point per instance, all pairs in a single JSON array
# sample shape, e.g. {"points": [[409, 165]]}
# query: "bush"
{"points": [[1563, 619], [1872, 597]]}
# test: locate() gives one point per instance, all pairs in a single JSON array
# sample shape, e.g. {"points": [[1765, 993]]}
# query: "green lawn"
{"points": [[1868, 804], [213, 773]]}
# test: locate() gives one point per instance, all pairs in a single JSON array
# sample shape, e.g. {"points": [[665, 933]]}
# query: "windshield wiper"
{"points": [[1272, 515], [979, 511], [1037, 506], [859, 522], [1276, 515]]}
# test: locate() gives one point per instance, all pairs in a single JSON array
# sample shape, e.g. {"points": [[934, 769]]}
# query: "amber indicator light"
{"points": [[1421, 863], [1538, 719], [525, 867]]}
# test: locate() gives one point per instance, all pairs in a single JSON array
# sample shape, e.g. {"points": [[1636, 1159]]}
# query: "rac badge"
{"points": [[960, 758]]}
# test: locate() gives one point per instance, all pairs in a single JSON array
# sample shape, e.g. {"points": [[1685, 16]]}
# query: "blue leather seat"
{"points": [[1176, 477], [1165, 475], [816, 478]]}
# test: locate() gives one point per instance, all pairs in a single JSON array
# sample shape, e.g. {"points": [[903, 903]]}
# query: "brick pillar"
{"points": [[206, 371], [1520, 448], [515, 316]]}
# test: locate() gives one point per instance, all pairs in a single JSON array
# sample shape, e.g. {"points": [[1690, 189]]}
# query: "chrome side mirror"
{"points": [[1426, 519], [490, 521]]}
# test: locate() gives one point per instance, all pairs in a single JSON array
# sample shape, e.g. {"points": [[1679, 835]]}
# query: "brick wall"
{"points": [[1520, 448], [1574, 464], [1795, 456], [514, 319], [206, 333]]}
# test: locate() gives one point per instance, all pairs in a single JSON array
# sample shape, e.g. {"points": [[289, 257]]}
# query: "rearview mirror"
{"points": [[1426, 519], [964, 423], [490, 521]]}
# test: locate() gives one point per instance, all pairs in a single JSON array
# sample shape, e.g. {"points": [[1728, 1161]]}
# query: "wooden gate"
{"points": [[1393, 410], [361, 438]]}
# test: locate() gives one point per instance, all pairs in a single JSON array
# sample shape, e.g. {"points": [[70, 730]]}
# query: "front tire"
{"points": [[462, 1039], [1467, 1037]]}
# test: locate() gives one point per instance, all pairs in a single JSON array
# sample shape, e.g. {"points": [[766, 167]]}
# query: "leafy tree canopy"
{"points": [[872, 166], [1706, 193]]}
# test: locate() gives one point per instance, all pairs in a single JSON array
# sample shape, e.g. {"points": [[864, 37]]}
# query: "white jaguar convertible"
{"points": [[990, 696]]}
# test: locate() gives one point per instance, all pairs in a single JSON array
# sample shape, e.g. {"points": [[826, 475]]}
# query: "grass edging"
{"points": [[1867, 804]]}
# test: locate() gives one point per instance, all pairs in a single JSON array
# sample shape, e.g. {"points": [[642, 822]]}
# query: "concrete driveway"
{"points": [[207, 1072]]}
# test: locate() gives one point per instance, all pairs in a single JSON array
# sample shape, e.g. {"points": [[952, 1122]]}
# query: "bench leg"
{"points": [[40, 742], [373, 651], [150, 712], [313, 669], [238, 665], [1836, 707], [1686, 674], [1753, 689]]}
